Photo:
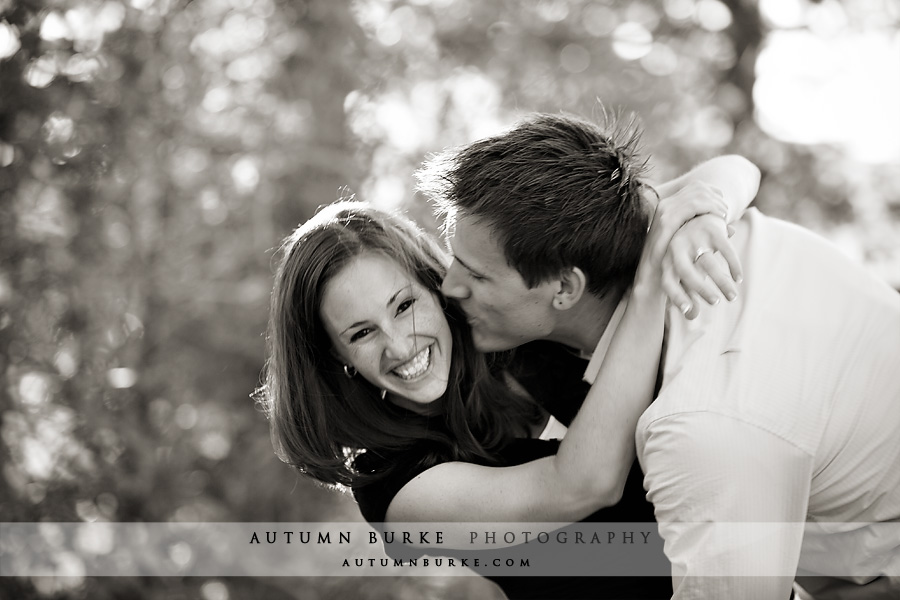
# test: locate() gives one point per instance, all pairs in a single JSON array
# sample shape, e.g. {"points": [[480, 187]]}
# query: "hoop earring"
{"points": [[350, 371]]}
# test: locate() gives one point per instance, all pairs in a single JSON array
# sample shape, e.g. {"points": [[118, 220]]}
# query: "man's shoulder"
{"points": [[722, 430]]}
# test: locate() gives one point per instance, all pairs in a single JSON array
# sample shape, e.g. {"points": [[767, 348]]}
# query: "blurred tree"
{"points": [[153, 152], [152, 155]]}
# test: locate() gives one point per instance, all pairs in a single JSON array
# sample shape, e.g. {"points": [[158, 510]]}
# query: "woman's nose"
{"points": [[400, 344]]}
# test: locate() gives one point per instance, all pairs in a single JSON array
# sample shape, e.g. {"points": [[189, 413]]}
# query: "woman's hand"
{"points": [[686, 229], [701, 260]]}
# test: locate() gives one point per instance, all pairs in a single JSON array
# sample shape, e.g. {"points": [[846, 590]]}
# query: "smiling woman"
{"points": [[363, 358], [390, 328]]}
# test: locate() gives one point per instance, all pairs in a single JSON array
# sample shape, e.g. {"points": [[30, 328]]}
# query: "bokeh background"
{"points": [[153, 153]]}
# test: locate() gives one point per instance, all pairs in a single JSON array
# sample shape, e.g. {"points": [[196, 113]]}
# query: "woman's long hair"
{"points": [[321, 420]]}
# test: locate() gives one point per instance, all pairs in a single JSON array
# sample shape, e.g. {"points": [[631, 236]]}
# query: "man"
{"points": [[777, 409]]}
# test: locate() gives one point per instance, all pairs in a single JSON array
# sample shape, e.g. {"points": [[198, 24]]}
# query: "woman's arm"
{"points": [[692, 262], [587, 473], [590, 468], [736, 178]]}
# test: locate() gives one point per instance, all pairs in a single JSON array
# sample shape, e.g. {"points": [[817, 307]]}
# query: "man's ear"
{"points": [[572, 286]]}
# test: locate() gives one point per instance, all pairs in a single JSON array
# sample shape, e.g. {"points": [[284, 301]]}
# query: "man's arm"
{"points": [[731, 501]]}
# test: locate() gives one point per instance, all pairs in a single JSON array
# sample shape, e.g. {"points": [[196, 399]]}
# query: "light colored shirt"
{"points": [[779, 415], [553, 430]]}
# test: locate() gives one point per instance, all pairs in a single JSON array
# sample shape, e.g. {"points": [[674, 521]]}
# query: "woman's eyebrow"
{"points": [[397, 293], [389, 302]]}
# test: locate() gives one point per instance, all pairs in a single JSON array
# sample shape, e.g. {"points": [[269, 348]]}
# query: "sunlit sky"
{"points": [[822, 79]]}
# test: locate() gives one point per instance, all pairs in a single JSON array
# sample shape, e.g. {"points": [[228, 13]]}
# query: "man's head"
{"points": [[536, 217]]}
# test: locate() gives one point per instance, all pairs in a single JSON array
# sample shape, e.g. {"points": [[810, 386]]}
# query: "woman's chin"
{"points": [[420, 400]]}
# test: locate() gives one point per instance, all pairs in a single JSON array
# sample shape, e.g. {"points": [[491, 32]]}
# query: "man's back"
{"points": [[781, 407]]}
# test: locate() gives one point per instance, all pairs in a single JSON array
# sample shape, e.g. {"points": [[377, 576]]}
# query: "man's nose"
{"points": [[453, 285]]}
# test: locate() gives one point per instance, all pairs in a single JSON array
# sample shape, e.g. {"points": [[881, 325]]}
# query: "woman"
{"points": [[372, 379]]}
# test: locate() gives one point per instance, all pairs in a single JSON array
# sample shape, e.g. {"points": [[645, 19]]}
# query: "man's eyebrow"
{"points": [[389, 302]]}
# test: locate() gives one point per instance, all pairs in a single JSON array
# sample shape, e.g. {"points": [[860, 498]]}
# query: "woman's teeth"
{"points": [[414, 367]]}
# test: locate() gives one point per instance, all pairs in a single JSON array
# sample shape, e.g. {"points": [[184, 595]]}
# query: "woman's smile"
{"points": [[415, 367]]}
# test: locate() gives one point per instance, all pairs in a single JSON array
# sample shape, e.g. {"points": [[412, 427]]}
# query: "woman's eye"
{"points": [[359, 335], [404, 306]]}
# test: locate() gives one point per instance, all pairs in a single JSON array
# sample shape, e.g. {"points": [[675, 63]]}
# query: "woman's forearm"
{"points": [[736, 177], [597, 452], [590, 468]]}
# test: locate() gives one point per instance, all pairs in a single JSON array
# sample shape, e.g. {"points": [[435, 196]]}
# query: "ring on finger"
{"points": [[700, 252]]}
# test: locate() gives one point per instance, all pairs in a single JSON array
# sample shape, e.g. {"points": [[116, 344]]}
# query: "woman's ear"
{"points": [[337, 355], [572, 285]]}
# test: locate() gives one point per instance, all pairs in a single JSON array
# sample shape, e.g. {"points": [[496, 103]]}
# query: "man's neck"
{"points": [[582, 326]]}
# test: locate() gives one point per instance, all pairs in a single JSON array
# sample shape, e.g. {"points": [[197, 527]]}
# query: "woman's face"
{"points": [[388, 326]]}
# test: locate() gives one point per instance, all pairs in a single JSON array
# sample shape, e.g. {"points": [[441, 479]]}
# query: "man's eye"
{"points": [[359, 334], [475, 276], [404, 306]]}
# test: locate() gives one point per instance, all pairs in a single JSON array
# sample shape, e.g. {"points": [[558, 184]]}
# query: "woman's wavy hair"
{"points": [[320, 419]]}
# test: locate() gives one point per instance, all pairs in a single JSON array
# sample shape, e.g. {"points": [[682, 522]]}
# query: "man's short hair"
{"points": [[556, 190]]}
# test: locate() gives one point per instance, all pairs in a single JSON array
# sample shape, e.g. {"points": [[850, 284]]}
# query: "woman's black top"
{"points": [[552, 374]]}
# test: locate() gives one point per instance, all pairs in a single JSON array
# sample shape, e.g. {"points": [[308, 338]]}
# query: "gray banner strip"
{"points": [[457, 549]]}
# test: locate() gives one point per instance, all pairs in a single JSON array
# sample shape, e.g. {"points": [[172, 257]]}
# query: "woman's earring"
{"points": [[383, 394], [349, 371]]}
